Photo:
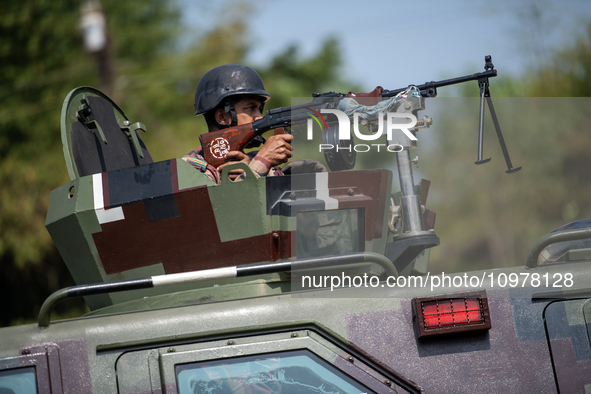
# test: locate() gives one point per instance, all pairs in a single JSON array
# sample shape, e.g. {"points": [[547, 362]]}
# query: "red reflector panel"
{"points": [[452, 313]]}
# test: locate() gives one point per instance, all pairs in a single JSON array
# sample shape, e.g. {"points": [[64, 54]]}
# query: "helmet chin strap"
{"points": [[229, 108]]}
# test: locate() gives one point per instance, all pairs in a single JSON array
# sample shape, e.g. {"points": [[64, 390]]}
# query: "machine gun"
{"points": [[408, 211], [217, 144]]}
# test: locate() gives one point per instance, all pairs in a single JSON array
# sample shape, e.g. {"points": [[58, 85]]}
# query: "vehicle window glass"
{"points": [[294, 372], [18, 381]]}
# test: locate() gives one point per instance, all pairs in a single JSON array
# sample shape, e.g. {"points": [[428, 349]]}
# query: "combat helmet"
{"points": [[224, 82]]}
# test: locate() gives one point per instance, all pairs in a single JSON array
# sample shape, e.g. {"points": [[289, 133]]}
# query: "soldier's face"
{"points": [[247, 111]]}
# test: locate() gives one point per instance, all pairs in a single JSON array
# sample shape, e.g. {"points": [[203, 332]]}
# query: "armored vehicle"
{"points": [[304, 283]]}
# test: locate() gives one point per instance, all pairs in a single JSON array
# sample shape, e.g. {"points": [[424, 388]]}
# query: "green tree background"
{"points": [[153, 81]]}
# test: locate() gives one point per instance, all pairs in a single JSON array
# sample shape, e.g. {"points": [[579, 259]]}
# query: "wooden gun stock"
{"points": [[217, 144]]}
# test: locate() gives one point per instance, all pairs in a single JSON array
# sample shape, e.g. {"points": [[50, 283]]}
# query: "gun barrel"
{"points": [[429, 89]]}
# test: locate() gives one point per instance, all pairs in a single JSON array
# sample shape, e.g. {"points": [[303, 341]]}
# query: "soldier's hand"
{"points": [[235, 157], [277, 149]]}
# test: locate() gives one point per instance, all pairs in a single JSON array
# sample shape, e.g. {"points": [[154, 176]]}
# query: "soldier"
{"points": [[233, 95]]}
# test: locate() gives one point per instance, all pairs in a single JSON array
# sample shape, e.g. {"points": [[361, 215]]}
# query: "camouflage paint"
{"points": [[489, 362], [148, 220], [514, 356]]}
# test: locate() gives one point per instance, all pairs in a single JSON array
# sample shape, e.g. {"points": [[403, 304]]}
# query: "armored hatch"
{"points": [[123, 216], [97, 136]]}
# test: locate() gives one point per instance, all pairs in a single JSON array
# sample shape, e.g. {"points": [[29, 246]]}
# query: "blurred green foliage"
{"points": [[486, 218], [41, 59], [568, 73], [153, 81]]}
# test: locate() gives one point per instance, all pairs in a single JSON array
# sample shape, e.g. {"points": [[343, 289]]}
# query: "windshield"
{"points": [[294, 372]]}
